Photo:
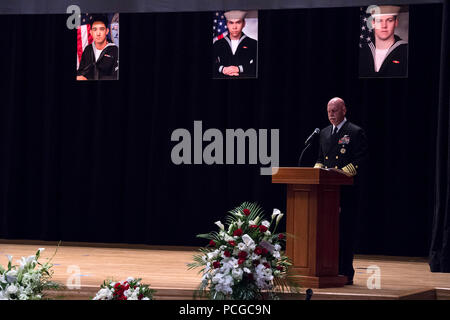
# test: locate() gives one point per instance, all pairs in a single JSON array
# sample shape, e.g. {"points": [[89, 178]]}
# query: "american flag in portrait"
{"points": [[219, 26], [365, 28], [84, 37]]}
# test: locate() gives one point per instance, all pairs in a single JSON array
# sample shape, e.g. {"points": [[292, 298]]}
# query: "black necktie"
{"points": [[335, 129]]}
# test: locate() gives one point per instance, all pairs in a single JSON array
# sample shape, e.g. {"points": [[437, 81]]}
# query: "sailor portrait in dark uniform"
{"points": [[235, 55], [99, 60], [343, 146], [384, 54]]}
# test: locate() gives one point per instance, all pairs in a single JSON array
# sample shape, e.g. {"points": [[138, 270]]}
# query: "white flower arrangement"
{"points": [[130, 289], [27, 280], [246, 262]]}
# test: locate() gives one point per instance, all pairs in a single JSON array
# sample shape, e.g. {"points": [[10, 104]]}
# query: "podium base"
{"points": [[320, 282]]}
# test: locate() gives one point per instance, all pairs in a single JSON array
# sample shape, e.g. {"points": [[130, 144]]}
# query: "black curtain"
{"points": [[90, 161], [440, 245]]}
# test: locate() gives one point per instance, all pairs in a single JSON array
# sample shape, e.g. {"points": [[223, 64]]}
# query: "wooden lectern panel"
{"points": [[314, 223]]}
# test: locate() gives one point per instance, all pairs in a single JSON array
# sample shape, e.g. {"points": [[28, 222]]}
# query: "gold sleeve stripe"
{"points": [[350, 168], [318, 165]]}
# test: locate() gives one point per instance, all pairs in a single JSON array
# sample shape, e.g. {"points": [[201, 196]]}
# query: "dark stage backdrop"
{"points": [[90, 161]]}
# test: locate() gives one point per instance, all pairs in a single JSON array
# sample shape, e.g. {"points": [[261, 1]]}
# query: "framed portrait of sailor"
{"points": [[383, 42], [235, 44], [98, 47]]}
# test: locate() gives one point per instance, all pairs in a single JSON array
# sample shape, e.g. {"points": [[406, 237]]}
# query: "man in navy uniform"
{"points": [[343, 146], [235, 54], [386, 54], [99, 60]]}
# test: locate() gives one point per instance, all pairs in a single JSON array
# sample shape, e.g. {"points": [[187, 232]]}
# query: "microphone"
{"points": [[308, 144], [316, 131]]}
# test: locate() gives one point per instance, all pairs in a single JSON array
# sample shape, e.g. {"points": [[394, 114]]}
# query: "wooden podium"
{"points": [[312, 217]]}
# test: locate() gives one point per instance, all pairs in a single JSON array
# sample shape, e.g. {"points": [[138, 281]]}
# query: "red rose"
{"points": [[216, 264], [255, 262], [281, 236], [117, 285], [265, 264], [253, 226], [247, 212], [258, 251], [227, 253], [242, 254], [212, 243], [262, 228], [237, 232], [232, 243], [140, 296], [280, 268], [241, 261], [249, 276], [264, 251]]}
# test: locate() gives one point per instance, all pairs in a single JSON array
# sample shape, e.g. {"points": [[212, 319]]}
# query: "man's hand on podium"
{"points": [[341, 171]]}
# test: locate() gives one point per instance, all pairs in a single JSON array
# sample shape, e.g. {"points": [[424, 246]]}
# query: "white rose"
{"points": [[12, 289], [255, 256], [237, 273], [129, 279], [11, 276], [103, 294], [217, 278], [241, 246], [12, 273]]}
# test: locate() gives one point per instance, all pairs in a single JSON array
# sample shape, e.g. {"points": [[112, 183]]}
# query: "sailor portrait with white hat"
{"points": [[235, 55], [385, 54]]}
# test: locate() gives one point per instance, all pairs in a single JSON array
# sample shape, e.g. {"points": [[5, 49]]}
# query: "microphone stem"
{"points": [[301, 155]]}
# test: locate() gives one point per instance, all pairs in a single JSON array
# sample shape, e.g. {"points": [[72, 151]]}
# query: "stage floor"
{"points": [[164, 268]]}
